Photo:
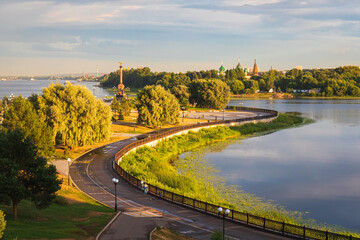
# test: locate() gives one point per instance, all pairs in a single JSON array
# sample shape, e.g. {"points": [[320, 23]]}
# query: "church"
{"points": [[249, 72]]}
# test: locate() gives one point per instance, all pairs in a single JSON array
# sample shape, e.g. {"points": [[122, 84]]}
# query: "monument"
{"points": [[121, 95]]}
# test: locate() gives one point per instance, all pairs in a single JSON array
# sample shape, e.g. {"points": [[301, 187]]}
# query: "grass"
{"points": [[73, 215]]}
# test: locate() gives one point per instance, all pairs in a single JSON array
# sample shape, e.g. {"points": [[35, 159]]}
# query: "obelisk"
{"points": [[121, 88]]}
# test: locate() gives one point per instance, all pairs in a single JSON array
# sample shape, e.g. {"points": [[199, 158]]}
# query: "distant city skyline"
{"points": [[63, 37]]}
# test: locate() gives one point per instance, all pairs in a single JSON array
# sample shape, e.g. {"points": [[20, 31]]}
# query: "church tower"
{"points": [[255, 70], [238, 66]]}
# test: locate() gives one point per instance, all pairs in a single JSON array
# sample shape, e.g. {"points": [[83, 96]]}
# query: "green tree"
{"points": [[182, 93], [2, 223], [76, 117], [116, 108], [23, 173], [209, 94], [157, 106], [22, 115], [126, 106], [236, 86]]}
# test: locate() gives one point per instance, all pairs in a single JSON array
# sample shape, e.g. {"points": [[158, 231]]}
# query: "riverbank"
{"points": [[200, 181], [158, 167]]}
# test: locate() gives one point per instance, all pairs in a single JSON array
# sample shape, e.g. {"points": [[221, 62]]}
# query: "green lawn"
{"points": [[75, 216]]}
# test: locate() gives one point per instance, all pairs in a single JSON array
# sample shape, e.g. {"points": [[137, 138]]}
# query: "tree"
{"points": [[182, 93], [22, 115], [236, 86], [23, 173], [2, 223], [76, 117], [157, 106], [116, 108], [126, 107], [209, 94]]}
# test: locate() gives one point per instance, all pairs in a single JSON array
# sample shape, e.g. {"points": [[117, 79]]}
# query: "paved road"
{"points": [[140, 213]]}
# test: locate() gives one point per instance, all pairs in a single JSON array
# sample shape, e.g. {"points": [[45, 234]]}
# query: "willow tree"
{"points": [[157, 106], [76, 117]]}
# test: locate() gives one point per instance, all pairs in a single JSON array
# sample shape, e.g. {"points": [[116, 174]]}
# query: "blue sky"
{"points": [[52, 37]]}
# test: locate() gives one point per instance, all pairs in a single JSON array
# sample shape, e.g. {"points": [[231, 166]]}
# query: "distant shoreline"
{"points": [[280, 96]]}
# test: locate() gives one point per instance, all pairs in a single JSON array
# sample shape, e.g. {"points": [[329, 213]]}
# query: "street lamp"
{"points": [[115, 180], [227, 211], [69, 161], [183, 113]]}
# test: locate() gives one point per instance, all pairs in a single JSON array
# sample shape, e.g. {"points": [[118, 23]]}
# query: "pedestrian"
{"points": [[145, 188], [142, 185]]}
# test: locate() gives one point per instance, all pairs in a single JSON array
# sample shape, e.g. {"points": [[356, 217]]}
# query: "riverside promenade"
{"points": [[141, 213]]}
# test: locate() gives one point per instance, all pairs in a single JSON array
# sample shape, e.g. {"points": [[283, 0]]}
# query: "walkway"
{"points": [[140, 213]]}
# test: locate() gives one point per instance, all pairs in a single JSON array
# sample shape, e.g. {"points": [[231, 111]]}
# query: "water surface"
{"points": [[313, 168], [25, 88]]}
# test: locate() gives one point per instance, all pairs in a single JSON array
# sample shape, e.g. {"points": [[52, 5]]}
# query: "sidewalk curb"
{"points": [[108, 225]]}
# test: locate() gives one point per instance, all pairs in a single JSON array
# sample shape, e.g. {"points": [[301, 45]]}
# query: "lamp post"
{"points": [[183, 113], [223, 114], [227, 211], [69, 161], [115, 180]]}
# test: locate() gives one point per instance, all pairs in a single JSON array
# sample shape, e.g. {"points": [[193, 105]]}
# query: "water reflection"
{"points": [[343, 112], [313, 168]]}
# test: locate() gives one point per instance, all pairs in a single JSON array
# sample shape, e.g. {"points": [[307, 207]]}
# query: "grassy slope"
{"points": [[72, 216]]}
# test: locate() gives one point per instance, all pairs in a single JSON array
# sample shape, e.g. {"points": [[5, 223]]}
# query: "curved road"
{"points": [[92, 173]]}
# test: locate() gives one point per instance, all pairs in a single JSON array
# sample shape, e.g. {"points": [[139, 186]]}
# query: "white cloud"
{"points": [[249, 2]]}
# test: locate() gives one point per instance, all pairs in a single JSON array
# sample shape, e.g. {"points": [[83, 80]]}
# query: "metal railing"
{"points": [[261, 223]]}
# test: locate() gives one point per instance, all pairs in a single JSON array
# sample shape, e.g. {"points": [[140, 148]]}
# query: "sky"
{"points": [[75, 36]]}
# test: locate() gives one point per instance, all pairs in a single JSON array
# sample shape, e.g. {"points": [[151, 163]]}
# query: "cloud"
{"points": [[282, 33], [250, 2]]}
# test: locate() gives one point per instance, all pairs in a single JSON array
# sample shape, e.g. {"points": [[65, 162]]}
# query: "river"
{"points": [[313, 168], [25, 88]]}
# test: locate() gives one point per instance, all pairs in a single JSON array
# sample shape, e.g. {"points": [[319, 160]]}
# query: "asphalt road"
{"points": [[140, 213]]}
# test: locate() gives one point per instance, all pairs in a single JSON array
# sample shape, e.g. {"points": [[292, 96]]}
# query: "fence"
{"points": [[261, 223]]}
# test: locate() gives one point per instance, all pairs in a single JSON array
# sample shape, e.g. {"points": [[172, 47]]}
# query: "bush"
{"points": [[217, 235], [2, 223]]}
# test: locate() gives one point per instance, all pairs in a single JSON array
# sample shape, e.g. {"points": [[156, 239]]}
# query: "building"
{"points": [[255, 71], [222, 71]]}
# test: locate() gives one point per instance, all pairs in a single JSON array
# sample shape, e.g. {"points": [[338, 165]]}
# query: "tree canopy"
{"points": [[209, 94], [341, 81], [22, 115], [23, 173], [75, 116], [157, 106]]}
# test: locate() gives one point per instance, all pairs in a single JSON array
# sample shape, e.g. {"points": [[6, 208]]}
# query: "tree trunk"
{"points": [[15, 210]]}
